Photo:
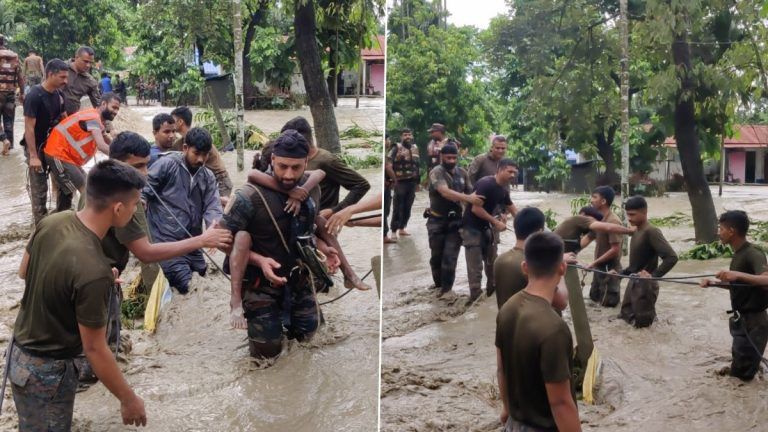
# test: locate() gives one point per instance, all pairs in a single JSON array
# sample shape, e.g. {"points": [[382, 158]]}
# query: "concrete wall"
{"points": [[377, 77], [736, 166]]}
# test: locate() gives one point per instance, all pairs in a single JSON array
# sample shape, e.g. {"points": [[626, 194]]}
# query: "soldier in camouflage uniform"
{"points": [[64, 310], [43, 108], [269, 283], [449, 186], [10, 80]]}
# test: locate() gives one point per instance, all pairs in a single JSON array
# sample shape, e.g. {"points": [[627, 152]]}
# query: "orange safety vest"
{"points": [[68, 142]]}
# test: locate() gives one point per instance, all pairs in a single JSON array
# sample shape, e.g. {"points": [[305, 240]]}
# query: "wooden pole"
{"points": [[237, 32]]}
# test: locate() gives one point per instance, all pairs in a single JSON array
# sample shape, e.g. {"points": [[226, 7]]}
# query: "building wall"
{"points": [[377, 77], [736, 165]]}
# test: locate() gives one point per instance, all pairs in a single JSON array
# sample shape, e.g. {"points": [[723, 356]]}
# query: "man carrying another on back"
{"points": [[64, 308], [73, 142], [534, 347], [180, 194]]}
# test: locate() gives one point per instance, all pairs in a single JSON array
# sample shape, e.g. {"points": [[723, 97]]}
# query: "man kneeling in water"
{"points": [[265, 261]]}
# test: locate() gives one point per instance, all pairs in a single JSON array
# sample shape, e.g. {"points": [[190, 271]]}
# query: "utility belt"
{"points": [[451, 215]]}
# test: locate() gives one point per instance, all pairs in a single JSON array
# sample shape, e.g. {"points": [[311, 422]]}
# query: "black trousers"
{"points": [[387, 208], [405, 192]]}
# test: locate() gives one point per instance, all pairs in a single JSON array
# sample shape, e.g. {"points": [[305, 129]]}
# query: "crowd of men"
{"points": [[534, 345], [164, 202]]}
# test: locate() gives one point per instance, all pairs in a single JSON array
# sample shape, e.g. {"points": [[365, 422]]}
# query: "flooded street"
{"points": [[195, 373], [439, 359]]}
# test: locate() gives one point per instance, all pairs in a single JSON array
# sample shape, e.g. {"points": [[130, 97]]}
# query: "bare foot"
{"points": [[388, 240], [404, 232], [237, 320], [356, 282]]}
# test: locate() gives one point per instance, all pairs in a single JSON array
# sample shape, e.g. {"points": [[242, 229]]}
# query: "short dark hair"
{"points": [[109, 97], [635, 203], [159, 120], [736, 219], [504, 163], [128, 143], [591, 212], [543, 253], [300, 125], [200, 139], [184, 113], [405, 130], [498, 138], [528, 221], [84, 50], [109, 181], [606, 192], [104, 74], [55, 66]]}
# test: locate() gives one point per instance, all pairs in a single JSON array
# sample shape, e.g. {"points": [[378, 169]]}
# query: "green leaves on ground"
{"points": [[708, 251]]}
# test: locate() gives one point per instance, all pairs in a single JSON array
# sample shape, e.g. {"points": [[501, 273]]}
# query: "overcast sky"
{"points": [[474, 12]]}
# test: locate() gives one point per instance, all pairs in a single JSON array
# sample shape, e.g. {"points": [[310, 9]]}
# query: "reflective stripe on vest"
{"points": [[63, 129]]}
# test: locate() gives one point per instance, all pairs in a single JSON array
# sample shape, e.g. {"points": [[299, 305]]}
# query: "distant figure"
{"points": [[106, 83], [33, 69]]}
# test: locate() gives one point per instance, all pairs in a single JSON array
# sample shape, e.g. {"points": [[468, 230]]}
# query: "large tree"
{"points": [[308, 52]]}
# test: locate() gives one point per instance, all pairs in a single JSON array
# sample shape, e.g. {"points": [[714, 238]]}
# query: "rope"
{"points": [[187, 231], [347, 291], [370, 216], [675, 279]]}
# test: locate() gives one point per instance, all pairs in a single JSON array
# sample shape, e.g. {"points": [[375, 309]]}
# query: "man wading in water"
{"points": [[266, 260], [605, 289], [749, 322], [64, 309]]}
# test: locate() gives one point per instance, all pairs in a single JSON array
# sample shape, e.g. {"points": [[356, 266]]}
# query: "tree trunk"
{"points": [[249, 90], [605, 151], [323, 116], [332, 77], [703, 209], [237, 35]]}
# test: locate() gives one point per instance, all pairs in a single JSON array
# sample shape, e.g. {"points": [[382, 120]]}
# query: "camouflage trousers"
{"points": [[750, 336], [480, 250], [8, 113], [267, 308], [43, 391], [513, 425], [37, 186], [445, 245]]}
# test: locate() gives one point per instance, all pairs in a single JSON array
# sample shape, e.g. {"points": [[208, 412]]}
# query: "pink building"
{"points": [[745, 153], [373, 73]]}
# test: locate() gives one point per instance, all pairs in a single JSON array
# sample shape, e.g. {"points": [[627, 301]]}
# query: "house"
{"points": [[746, 157], [372, 60]]}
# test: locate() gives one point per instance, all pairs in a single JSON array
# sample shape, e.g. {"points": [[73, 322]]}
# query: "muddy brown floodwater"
{"points": [[439, 360], [195, 373]]}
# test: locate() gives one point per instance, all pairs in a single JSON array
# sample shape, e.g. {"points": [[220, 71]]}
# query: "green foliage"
{"points": [[373, 160], [551, 219], [674, 220], [708, 251], [355, 131], [433, 75], [133, 309], [554, 171], [57, 28], [206, 119], [271, 57], [758, 231], [187, 85]]}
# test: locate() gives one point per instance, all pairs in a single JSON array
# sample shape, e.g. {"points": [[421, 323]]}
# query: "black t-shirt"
{"points": [[495, 195], [46, 108]]}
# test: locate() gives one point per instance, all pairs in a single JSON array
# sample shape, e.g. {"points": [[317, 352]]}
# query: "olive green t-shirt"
{"points": [[68, 283], [646, 247], [603, 242], [508, 275], [751, 260], [116, 241], [571, 230], [337, 175], [536, 348]]}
